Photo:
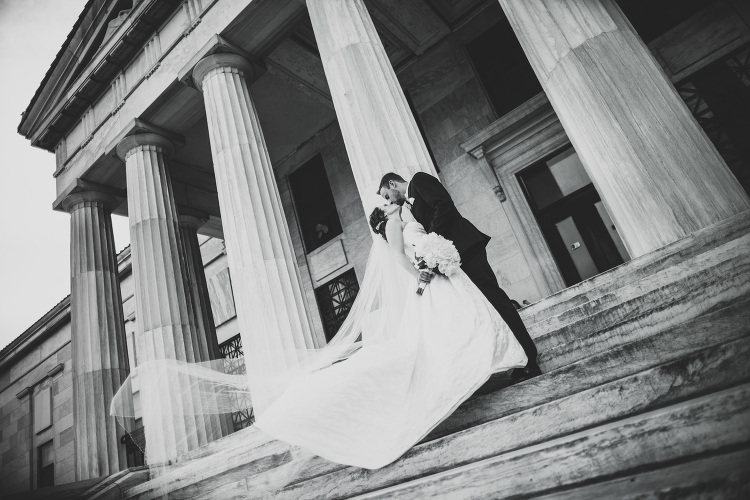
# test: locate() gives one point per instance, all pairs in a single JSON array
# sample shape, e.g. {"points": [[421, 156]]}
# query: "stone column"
{"points": [[205, 341], [379, 130], [165, 316], [99, 348], [266, 282], [205, 345], [656, 171]]}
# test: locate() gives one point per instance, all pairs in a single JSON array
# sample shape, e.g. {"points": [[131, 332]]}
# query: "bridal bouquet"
{"points": [[435, 254]]}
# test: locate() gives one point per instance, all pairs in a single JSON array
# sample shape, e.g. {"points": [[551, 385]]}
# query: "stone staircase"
{"points": [[646, 393]]}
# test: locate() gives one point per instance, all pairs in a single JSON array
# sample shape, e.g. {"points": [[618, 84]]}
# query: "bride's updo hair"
{"points": [[378, 220]]}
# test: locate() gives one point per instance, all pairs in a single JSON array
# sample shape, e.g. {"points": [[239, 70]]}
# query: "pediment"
{"points": [[88, 34]]}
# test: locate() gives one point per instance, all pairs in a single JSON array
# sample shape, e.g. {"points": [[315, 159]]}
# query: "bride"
{"points": [[421, 357], [399, 365]]}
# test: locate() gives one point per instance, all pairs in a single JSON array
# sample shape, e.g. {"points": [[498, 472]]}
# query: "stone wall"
{"points": [[356, 239], [19, 441], [452, 107]]}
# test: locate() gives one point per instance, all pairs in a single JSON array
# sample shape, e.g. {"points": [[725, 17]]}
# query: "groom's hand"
{"points": [[426, 276]]}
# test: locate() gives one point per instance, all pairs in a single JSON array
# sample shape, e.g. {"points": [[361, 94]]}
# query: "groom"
{"points": [[433, 207]]}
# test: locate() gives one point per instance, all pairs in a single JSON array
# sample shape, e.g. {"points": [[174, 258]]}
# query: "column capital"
{"points": [[191, 221], [75, 200], [228, 62], [128, 144]]}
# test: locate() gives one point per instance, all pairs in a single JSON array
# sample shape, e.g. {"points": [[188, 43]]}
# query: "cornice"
{"points": [[98, 75], [36, 332], [506, 125]]}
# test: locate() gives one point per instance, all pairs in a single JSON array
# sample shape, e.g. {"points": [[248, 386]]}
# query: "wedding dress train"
{"points": [[399, 365], [417, 363]]}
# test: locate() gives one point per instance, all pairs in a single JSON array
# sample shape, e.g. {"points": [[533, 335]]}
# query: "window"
{"points": [[46, 468], [502, 68], [318, 218], [653, 19], [335, 299], [718, 96], [42, 409]]}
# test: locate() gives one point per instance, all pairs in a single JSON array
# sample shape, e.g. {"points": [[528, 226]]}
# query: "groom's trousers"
{"points": [[474, 264]]}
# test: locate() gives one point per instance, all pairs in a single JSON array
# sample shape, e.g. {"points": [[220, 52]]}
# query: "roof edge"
{"points": [[55, 62]]}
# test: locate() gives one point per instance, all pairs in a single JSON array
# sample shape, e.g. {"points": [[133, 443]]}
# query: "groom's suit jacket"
{"points": [[434, 209]]}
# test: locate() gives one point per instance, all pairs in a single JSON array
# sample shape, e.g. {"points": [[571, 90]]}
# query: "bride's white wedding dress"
{"points": [[416, 365]]}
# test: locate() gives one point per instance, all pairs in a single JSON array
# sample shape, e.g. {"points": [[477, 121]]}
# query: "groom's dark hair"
{"points": [[390, 176]]}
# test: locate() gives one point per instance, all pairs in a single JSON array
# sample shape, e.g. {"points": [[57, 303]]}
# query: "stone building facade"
{"points": [[36, 394], [242, 138]]}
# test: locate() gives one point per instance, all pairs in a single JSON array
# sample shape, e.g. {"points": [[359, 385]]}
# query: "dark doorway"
{"points": [[572, 217]]}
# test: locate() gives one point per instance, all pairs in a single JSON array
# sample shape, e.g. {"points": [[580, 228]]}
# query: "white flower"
{"points": [[437, 253]]}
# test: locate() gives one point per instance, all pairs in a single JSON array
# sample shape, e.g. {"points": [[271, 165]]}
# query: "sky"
{"points": [[34, 239]]}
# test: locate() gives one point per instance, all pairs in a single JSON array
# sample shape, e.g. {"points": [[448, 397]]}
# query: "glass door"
{"points": [[579, 231]]}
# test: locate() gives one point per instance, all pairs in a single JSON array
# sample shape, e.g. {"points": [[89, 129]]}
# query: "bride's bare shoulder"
{"points": [[394, 225]]}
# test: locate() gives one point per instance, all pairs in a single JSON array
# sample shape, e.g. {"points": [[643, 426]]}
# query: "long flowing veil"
{"points": [[181, 402]]}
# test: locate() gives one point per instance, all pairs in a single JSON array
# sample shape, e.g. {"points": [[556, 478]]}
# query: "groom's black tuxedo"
{"points": [[434, 209]]}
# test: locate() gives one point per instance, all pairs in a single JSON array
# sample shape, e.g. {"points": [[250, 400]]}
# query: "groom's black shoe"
{"points": [[520, 374]]}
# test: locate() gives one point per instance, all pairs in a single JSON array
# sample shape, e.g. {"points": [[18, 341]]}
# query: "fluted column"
{"points": [[205, 344], [379, 130], [266, 282], [205, 341], [99, 349], [165, 316], [656, 171]]}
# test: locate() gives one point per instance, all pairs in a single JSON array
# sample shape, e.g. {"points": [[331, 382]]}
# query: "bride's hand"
{"points": [[426, 276]]}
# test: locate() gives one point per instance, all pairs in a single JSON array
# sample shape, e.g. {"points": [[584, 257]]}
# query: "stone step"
{"points": [[638, 268], [714, 265], [722, 234], [114, 485], [715, 328], [514, 404], [246, 451], [693, 310], [706, 425], [66, 491], [702, 373], [718, 476], [644, 315]]}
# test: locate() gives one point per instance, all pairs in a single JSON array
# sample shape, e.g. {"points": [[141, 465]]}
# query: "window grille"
{"points": [[231, 351], [335, 299]]}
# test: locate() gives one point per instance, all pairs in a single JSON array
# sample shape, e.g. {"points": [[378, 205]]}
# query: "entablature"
{"points": [[111, 61]]}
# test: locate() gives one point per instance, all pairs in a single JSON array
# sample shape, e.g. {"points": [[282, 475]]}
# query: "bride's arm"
{"points": [[394, 234]]}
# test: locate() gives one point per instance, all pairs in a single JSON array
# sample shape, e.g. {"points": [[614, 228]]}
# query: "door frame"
{"points": [[516, 141]]}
